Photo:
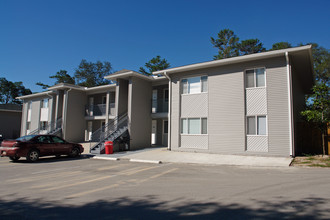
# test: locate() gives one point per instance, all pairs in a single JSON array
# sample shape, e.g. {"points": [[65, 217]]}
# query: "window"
{"points": [[255, 78], [194, 85], [194, 126], [43, 125], [44, 103], [57, 139], [256, 125]]}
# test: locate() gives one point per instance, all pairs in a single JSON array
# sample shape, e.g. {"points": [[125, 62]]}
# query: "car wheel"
{"points": [[32, 156], [75, 152], [14, 158]]}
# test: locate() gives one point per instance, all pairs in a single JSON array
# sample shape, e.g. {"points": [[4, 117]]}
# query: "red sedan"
{"points": [[34, 146]]}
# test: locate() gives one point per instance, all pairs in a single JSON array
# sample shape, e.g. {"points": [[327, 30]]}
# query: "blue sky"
{"points": [[39, 38]]}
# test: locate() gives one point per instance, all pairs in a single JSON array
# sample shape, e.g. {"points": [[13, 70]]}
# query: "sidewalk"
{"points": [[162, 155]]}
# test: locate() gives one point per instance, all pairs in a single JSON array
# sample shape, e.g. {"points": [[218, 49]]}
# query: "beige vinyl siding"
{"points": [[139, 110], [226, 107], [75, 116], [278, 111]]}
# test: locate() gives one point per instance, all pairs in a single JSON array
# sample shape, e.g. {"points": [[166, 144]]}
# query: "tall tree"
{"points": [[155, 64], [321, 58], [10, 90], [318, 111], [281, 45], [91, 74], [251, 46], [226, 43], [61, 76]]}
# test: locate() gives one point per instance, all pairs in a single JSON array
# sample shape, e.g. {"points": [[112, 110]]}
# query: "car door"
{"points": [[61, 146], [44, 145]]}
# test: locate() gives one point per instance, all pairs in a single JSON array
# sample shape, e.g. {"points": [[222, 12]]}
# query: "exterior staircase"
{"points": [[53, 128], [116, 131]]}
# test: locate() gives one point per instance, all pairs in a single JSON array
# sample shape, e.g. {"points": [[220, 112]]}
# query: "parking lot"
{"points": [[87, 188]]}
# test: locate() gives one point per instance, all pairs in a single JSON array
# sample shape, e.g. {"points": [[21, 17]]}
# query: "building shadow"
{"points": [[149, 208]]}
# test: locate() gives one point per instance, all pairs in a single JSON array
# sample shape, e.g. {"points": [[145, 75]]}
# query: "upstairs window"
{"points": [[194, 85], [255, 78], [44, 103]]}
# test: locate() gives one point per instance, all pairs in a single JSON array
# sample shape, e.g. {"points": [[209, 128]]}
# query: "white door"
{"points": [[154, 101], [154, 132], [90, 129], [165, 132], [91, 103]]}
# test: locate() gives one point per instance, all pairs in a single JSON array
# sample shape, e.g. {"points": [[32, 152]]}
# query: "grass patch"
{"points": [[312, 161]]}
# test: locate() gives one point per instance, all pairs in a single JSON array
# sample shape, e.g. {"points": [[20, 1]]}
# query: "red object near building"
{"points": [[108, 147]]}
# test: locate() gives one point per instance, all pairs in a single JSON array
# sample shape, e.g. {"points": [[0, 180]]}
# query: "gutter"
{"points": [[169, 110], [290, 104]]}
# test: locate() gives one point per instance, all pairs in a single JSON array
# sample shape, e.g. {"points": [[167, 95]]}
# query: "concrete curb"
{"points": [[146, 161], [105, 158]]}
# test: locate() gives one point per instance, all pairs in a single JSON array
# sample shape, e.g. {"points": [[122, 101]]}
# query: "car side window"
{"points": [[57, 140], [43, 139]]}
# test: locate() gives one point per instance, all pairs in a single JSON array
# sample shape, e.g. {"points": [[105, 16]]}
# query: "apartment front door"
{"points": [[89, 130], [165, 132], [154, 132]]}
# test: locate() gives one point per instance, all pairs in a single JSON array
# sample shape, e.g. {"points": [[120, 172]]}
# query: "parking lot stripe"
{"points": [[60, 182], [79, 183], [138, 171], [35, 178], [111, 167], [94, 190], [157, 175]]}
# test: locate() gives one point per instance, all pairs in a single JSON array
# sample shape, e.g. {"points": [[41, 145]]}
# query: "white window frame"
{"points": [[200, 123], [256, 125], [188, 86], [43, 102], [255, 78]]}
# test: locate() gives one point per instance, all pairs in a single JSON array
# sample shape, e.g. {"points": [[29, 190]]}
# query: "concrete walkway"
{"points": [[162, 155]]}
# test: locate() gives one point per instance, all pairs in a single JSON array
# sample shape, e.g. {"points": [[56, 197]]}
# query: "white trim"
{"points": [[232, 60], [289, 87]]}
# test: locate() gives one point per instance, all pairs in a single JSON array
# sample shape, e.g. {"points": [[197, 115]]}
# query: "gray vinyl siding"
{"points": [[121, 96], [35, 114], [75, 116], [226, 108], [139, 110], [278, 110]]}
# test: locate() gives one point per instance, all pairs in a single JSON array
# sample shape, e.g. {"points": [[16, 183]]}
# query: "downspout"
{"points": [[290, 104], [64, 113], [169, 111]]}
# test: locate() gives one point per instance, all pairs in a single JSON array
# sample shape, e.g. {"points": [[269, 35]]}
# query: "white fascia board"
{"points": [[233, 60], [35, 95], [66, 86], [100, 87], [127, 74]]}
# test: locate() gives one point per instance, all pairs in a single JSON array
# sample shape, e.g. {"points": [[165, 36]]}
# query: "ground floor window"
{"points": [[43, 125], [256, 125], [193, 125]]}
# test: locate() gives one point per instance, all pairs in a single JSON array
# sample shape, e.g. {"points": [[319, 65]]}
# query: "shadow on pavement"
{"points": [[150, 208]]}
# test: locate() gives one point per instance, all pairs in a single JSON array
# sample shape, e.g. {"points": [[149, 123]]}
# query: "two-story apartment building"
{"points": [[242, 105]]}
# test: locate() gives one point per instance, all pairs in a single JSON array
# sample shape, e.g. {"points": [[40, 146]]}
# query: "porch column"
{"points": [[107, 107], [56, 105]]}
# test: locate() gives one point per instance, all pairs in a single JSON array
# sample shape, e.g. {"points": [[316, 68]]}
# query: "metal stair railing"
{"points": [[108, 130], [51, 128]]}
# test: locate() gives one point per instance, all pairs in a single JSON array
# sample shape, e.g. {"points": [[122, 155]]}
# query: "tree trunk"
{"points": [[323, 143]]}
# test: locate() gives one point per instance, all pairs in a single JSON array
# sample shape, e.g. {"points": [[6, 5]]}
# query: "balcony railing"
{"points": [[99, 110], [159, 106]]}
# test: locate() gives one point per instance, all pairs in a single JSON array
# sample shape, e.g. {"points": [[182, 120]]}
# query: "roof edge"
{"points": [[231, 60]]}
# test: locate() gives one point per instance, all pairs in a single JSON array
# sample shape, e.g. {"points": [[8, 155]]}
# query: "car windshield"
{"points": [[25, 138]]}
